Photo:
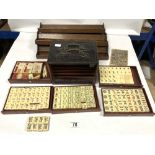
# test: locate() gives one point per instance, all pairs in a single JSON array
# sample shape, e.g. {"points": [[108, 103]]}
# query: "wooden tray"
{"points": [[71, 28], [99, 43], [95, 109], [41, 80], [50, 107], [135, 75], [26, 111], [42, 52], [147, 113]]}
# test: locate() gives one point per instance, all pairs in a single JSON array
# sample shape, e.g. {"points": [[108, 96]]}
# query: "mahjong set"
{"points": [[76, 62]]}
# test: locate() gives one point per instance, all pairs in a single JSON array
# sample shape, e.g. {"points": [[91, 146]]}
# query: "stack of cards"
{"points": [[119, 57]]}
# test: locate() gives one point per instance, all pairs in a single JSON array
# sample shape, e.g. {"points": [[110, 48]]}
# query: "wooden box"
{"points": [[119, 76], [81, 98], [28, 100], [125, 101], [48, 33], [30, 72], [84, 99], [122, 92], [73, 62]]}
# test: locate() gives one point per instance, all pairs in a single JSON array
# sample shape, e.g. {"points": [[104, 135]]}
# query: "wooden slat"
{"points": [[43, 48], [72, 28], [103, 56], [101, 37], [46, 49], [70, 33], [102, 50], [44, 55], [49, 41]]}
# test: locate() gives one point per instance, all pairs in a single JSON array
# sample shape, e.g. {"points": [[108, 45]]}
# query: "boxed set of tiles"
{"points": [[73, 62], [122, 92], [58, 99]]}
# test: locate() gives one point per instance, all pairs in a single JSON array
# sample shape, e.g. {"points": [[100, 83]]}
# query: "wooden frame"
{"points": [[96, 109], [150, 113], [135, 75], [48, 110]]}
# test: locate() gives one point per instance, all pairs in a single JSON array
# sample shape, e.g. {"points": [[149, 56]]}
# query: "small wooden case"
{"points": [[22, 100], [30, 72], [126, 101], [119, 76]]}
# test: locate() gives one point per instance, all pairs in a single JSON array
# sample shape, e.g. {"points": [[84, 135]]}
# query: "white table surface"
{"points": [[94, 131]]}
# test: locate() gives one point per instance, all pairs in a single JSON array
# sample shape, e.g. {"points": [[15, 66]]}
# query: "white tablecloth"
{"points": [[94, 133]]}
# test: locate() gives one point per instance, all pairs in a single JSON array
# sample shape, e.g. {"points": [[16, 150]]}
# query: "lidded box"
{"points": [[73, 61]]}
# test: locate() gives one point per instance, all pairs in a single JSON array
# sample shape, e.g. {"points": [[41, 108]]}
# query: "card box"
{"points": [[22, 100], [128, 104], [30, 72], [115, 73]]}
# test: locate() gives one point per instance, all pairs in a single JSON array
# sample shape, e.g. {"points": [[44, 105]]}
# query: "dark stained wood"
{"points": [[72, 32], [49, 41], [103, 56], [72, 28], [42, 52], [3, 22], [102, 50], [46, 49], [93, 37], [72, 67]]}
